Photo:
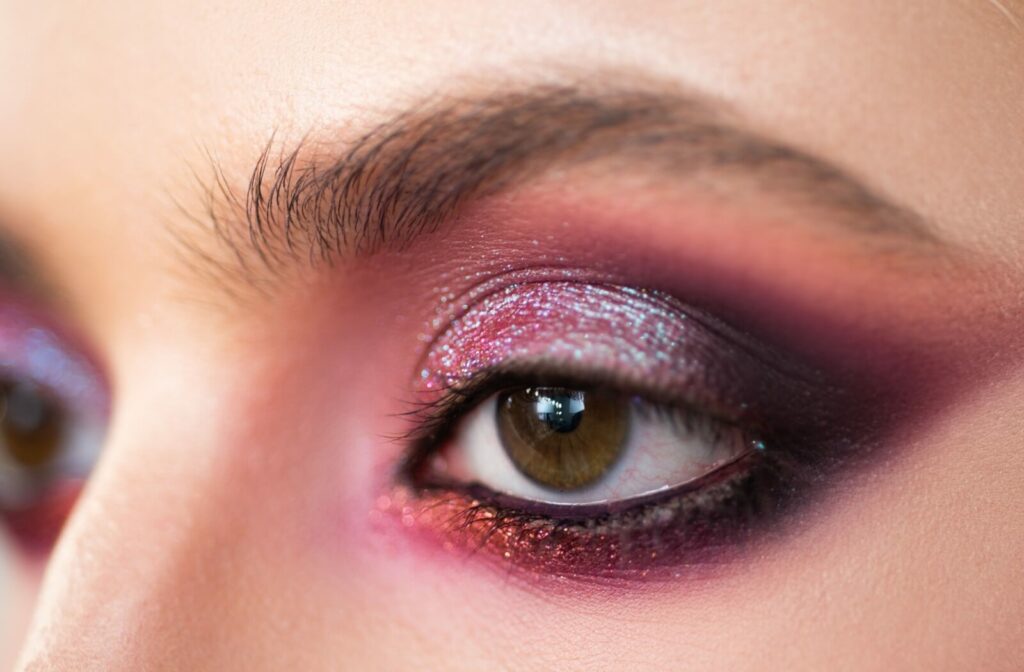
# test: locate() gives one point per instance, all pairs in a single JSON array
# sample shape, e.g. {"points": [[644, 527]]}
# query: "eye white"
{"points": [[662, 450]]}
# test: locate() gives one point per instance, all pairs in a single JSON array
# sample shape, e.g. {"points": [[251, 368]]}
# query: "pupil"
{"points": [[561, 411]]}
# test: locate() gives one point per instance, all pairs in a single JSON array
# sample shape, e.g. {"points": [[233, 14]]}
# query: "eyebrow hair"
{"points": [[321, 200]]}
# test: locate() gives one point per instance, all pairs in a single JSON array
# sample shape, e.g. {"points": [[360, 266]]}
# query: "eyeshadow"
{"points": [[651, 344], [644, 336]]}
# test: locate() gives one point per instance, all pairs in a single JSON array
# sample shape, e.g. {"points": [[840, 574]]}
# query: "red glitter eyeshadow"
{"points": [[640, 540]]}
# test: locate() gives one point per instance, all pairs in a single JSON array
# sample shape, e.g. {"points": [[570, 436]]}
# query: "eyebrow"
{"points": [[321, 200]]}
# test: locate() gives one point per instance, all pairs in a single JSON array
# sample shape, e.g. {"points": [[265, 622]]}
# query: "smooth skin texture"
{"points": [[225, 527]]}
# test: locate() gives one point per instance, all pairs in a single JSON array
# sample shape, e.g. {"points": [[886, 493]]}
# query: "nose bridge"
{"points": [[142, 562], [221, 492]]}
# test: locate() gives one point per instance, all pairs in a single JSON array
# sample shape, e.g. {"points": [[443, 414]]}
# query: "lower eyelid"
{"points": [[36, 528], [653, 538]]}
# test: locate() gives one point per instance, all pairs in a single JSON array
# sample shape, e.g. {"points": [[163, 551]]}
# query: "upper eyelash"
{"points": [[693, 523]]}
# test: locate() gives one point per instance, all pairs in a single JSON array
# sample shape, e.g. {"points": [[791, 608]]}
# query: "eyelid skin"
{"points": [[643, 332]]}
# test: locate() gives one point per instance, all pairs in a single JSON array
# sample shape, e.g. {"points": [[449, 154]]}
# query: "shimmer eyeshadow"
{"points": [[641, 338], [562, 321], [639, 342]]}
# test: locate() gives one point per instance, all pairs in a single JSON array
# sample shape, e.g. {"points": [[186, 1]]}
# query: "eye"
{"points": [[52, 422], [594, 430], [573, 446]]}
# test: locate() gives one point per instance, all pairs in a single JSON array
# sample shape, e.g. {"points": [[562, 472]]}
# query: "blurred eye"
{"points": [[52, 421], [573, 446]]}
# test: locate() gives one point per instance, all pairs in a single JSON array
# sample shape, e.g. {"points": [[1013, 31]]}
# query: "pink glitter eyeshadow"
{"points": [[639, 334]]}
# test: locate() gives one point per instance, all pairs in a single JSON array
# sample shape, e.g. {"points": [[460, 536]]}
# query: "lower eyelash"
{"points": [[660, 535], [642, 539]]}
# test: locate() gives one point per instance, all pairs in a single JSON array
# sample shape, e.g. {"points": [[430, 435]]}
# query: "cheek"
{"points": [[918, 561]]}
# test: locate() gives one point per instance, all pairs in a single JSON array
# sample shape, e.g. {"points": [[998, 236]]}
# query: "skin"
{"points": [[226, 525]]}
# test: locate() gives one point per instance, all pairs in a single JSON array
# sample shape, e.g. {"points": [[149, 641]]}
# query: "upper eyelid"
{"points": [[454, 309]]}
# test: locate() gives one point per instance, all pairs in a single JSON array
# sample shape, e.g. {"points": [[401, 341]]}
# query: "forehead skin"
{"points": [[107, 106]]}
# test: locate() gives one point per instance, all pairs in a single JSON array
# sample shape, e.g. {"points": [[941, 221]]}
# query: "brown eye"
{"points": [[562, 439], [48, 444], [31, 425]]}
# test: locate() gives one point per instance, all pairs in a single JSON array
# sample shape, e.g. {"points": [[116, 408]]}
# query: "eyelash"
{"points": [[808, 418], [434, 421], [709, 510]]}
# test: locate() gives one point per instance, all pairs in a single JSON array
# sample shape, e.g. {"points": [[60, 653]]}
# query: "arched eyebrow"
{"points": [[320, 201]]}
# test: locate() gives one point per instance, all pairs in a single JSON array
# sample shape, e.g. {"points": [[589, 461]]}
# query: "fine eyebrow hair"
{"points": [[320, 201]]}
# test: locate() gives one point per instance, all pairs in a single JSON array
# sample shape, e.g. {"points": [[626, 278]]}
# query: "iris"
{"points": [[561, 438]]}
